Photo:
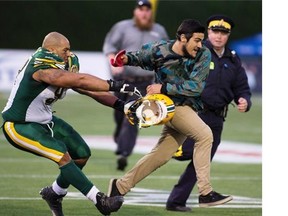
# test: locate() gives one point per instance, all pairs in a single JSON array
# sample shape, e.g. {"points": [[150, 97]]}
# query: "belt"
{"points": [[222, 112]]}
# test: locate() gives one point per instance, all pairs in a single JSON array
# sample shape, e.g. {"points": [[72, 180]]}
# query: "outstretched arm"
{"points": [[64, 79], [105, 98]]}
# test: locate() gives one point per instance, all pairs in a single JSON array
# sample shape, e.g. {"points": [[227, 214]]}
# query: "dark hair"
{"points": [[188, 27]]}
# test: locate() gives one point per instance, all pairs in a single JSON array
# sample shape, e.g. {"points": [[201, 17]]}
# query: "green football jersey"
{"points": [[30, 100]]}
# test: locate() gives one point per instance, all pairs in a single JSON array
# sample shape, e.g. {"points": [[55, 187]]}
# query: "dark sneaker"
{"points": [[106, 205], [113, 190], [121, 163], [212, 199], [178, 208], [53, 200]]}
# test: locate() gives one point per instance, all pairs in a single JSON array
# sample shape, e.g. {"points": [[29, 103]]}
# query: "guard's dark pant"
{"points": [[181, 191], [125, 134]]}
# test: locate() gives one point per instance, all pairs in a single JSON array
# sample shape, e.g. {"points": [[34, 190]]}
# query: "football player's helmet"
{"points": [[154, 109]]}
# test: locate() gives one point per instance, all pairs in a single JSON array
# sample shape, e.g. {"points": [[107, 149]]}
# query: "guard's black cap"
{"points": [[140, 3], [220, 22]]}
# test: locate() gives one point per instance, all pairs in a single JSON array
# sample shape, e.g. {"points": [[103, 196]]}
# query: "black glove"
{"points": [[121, 86], [119, 105]]}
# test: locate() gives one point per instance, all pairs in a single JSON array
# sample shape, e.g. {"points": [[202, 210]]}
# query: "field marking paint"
{"points": [[157, 198], [228, 151], [215, 178]]}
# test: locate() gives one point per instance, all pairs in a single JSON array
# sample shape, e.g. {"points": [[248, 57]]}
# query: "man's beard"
{"points": [[186, 53], [146, 26]]}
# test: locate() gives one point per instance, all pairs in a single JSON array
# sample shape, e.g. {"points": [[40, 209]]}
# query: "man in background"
{"points": [[227, 81], [130, 35]]}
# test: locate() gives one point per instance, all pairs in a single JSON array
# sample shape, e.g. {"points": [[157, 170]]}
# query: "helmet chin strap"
{"points": [[136, 92], [140, 124]]}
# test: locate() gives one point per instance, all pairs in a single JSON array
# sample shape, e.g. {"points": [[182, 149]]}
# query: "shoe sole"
{"points": [[219, 202], [187, 209], [110, 187]]}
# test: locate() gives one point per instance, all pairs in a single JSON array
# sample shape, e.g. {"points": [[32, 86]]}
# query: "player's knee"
{"points": [[81, 162], [65, 159]]}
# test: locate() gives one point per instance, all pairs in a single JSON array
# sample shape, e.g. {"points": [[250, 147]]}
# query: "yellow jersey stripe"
{"points": [[30, 144]]}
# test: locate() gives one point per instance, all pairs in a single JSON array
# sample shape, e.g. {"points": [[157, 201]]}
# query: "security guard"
{"points": [[227, 81]]}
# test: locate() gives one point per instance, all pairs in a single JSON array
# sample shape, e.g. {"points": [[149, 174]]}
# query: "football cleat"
{"points": [[53, 200], [106, 205]]}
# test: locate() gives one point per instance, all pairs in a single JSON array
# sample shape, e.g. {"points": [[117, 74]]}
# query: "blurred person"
{"points": [[251, 72], [130, 34], [227, 81], [181, 67], [30, 124]]}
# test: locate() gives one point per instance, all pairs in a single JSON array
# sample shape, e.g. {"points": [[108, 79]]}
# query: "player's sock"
{"points": [[91, 195], [61, 180], [73, 174], [59, 190]]}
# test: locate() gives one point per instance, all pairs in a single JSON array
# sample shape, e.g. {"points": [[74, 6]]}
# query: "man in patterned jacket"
{"points": [[30, 125], [181, 67]]}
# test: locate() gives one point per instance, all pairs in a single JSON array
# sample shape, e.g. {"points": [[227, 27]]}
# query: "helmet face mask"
{"points": [[155, 109]]}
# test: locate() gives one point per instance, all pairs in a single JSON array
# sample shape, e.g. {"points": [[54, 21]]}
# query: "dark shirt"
{"points": [[227, 80]]}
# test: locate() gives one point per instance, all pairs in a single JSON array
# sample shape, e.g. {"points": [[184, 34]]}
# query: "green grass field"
{"points": [[22, 175]]}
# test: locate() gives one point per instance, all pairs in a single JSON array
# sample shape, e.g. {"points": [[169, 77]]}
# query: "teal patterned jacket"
{"points": [[182, 77]]}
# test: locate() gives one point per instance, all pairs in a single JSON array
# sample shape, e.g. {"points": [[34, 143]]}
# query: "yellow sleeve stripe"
{"points": [[31, 145], [49, 61]]}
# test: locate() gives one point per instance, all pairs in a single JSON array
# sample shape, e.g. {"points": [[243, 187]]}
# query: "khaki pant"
{"points": [[185, 123]]}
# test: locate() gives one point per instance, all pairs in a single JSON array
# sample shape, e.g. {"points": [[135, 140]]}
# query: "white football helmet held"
{"points": [[154, 109]]}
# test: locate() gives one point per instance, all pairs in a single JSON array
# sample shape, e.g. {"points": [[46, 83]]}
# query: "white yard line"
{"points": [[171, 177], [158, 198], [228, 151]]}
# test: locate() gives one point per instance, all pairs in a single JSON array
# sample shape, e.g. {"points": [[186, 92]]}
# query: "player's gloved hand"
{"points": [[117, 60], [121, 86]]}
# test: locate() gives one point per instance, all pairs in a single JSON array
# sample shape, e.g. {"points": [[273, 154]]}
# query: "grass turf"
{"points": [[22, 175]]}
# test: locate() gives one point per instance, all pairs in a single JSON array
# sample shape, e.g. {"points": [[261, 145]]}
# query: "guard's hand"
{"points": [[242, 104], [118, 60]]}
